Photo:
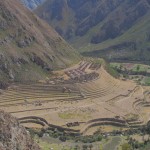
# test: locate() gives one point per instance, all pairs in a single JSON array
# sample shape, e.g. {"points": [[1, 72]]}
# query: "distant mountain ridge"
{"points": [[29, 47], [95, 25], [32, 4]]}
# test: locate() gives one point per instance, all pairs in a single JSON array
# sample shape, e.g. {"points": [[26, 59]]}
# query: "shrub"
{"points": [[126, 146], [62, 138]]}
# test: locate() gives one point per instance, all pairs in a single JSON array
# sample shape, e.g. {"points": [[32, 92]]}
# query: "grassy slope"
{"points": [[136, 33], [113, 144], [46, 44]]}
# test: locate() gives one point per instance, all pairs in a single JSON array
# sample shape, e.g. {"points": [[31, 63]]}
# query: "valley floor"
{"points": [[80, 106], [81, 100]]}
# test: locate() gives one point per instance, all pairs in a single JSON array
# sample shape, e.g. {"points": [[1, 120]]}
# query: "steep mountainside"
{"points": [[32, 4], [29, 47], [13, 136], [102, 25]]}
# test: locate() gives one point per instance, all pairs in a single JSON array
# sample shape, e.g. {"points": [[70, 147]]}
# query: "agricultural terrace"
{"points": [[82, 99]]}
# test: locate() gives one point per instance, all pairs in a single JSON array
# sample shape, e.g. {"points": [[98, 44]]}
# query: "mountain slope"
{"points": [[29, 47], [133, 45], [13, 136], [32, 4], [101, 24]]}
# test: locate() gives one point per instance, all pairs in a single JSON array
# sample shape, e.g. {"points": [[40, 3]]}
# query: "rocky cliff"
{"points": [[13, 136]]}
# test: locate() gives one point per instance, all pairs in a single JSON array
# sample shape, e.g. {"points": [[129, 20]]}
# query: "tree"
{"points": [[126, 146], [76, 147], [90, 146], [148, 129], [84, 147], [121, 67], [138, 67]]}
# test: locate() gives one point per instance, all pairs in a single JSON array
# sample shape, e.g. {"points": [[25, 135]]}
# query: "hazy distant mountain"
{"points": [[32, 4], [29, 47], [93, 25]]}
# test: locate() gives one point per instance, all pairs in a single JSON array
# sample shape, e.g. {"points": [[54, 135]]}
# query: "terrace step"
{"points": [[30, 101], [103, 121]]}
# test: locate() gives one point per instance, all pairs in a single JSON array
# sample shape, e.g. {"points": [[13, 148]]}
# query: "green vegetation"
{"points": [[112, 145], [64, 136], [121, 140], [147, 81], [137, 72], [145, 147], [140, 68], [59, 138], [111, 70], [35, 72], [135, 34], [131, 67], [131, 116], [48, 146], [126, 146]]}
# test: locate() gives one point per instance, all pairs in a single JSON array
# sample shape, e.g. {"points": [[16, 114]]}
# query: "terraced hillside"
{"points": [[36, 94], [103, 86], [79, 103]]}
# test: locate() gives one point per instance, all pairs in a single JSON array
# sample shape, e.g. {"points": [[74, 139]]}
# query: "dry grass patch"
{"points": [[131, 116], [67, 115], [32, 125]]}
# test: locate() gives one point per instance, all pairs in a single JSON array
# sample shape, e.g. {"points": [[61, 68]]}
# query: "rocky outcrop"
{"points": [[13, 136]]}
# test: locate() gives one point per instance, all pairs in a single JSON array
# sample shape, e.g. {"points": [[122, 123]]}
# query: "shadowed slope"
{"points": [[118, 27]]}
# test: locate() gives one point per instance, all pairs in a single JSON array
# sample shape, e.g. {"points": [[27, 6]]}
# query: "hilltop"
{"points": [[118, 27], [29, 47]]}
